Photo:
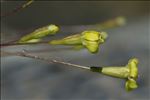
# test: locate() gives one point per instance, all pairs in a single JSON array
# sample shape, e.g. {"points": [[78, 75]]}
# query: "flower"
{"points": [[92, 39], [133, 75], [87, 39], [128, 72]]}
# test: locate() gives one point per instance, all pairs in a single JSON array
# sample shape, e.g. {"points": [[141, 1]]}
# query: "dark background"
{"points": [[29, 79]]}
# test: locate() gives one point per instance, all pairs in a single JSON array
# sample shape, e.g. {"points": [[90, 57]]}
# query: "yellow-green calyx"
{"points": [[36, 35], [128, 72], [88, 39]]}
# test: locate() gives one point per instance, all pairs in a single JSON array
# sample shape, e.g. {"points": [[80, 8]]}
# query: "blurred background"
{"points": [[29, 79]]}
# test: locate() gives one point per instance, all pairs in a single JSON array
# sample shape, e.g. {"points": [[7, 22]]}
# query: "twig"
{"points": [[14, 44], [25, 54], [18, 8]]}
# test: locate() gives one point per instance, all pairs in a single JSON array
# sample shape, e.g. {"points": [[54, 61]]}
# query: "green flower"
{"points": [[92, 39], [87, 39], [128, 72], [133, 75]]}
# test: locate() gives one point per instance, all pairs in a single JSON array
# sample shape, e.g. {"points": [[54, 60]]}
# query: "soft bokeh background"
{"points": [[29, 79]]}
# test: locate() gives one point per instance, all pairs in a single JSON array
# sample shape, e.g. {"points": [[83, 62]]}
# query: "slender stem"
{"points": [[25, 54], [14, 44], [18, 8]]}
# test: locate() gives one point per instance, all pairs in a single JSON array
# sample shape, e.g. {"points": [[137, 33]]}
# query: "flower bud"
{"points": [[39, 33]]}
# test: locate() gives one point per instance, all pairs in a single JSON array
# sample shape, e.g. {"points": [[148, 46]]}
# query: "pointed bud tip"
{"points": [[53, 28]]}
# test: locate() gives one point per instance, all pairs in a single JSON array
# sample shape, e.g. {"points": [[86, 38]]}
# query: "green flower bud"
{"points": [[39, 33]]}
